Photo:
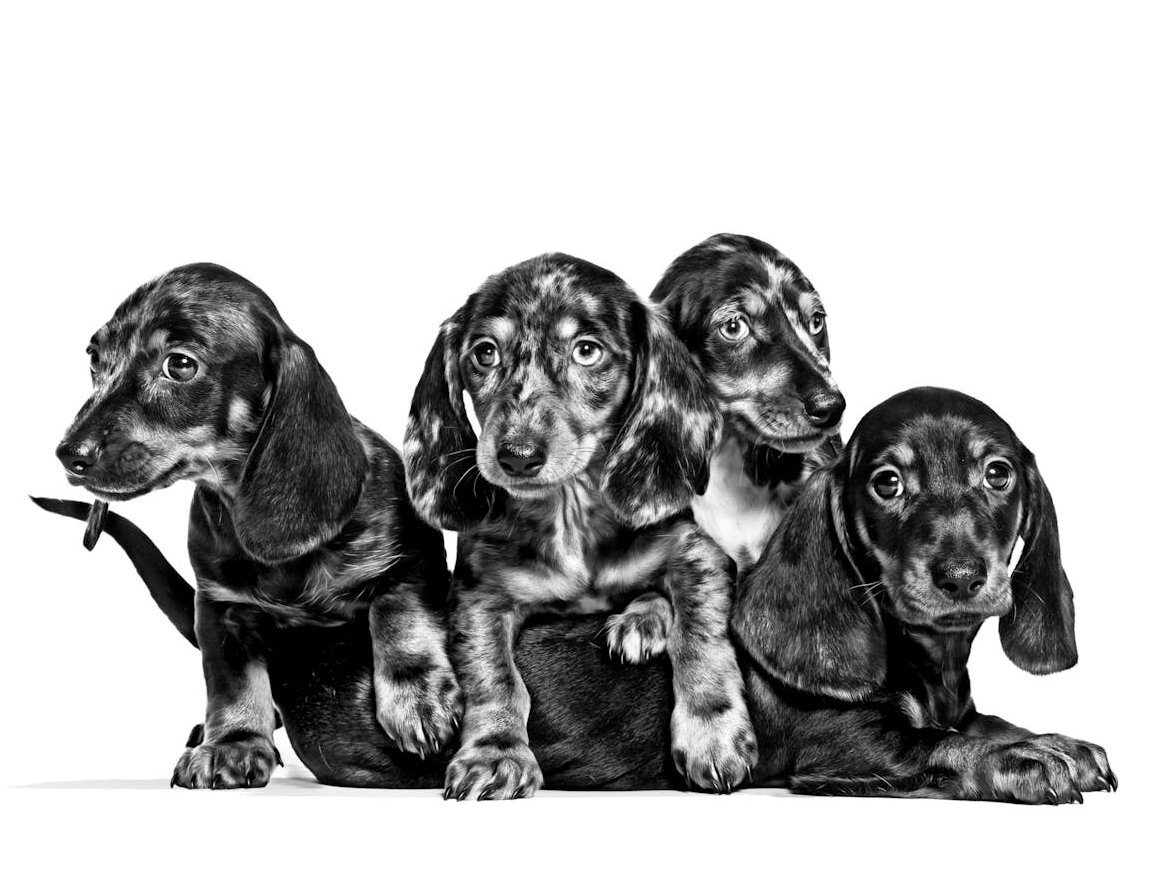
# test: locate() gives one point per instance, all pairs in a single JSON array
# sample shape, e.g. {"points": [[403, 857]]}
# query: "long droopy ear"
{"points": [[440, 445], [1038, 633], [800, 612], [304, 474], [660, 458]]}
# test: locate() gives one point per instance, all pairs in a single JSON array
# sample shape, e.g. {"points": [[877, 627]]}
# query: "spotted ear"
{"points": [[800, 612], [660, 458], [1038, 632], [441, 468], [304, 474]]}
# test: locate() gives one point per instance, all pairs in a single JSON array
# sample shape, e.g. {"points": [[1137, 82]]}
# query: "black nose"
{"points": [[825, 409], [521, 460], [77, 458], [961, 579]]}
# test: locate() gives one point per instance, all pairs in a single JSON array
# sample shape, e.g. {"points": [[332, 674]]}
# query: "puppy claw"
{"points": [[641, 631], [422, 715]]}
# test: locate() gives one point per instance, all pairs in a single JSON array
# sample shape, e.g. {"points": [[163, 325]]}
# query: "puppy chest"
{"points": [[736, 512]]}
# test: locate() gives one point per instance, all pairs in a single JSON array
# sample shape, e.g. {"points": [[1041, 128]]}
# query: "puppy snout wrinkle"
{"points": [[961, 579], [78, 458], [825, 409], [522, 460]]}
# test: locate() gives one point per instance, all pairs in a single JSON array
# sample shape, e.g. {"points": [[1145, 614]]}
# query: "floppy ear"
{"points": [[304, 474], [1038, 633], [440, 446], [660, 458], [799, 611]]}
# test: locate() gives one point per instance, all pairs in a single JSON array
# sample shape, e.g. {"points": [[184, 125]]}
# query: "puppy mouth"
{"points": [[788, 434], [958, 620], [121, 491]]}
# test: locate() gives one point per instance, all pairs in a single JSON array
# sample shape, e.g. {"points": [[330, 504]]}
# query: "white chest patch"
{"points": [[735, 511]]}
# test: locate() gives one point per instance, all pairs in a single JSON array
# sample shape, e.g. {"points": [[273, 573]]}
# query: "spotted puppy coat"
{"points": [[757, 329], [595, 435], [299, 515]]}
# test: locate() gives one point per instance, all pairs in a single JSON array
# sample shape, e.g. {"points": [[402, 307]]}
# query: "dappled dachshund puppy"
{"points": [[299, 516], [595, 434], [873, 589], [872, 704], [757, 329]]}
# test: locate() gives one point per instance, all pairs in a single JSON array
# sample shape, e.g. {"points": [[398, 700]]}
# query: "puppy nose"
{"points": [[825, 409], [77, 458], [961, 579], [521, 460]]}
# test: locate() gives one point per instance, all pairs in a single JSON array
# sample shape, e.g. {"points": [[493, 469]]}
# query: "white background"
{"points": [[978, 194]]}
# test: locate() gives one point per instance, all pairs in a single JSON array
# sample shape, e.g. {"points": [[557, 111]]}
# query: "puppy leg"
{"points": [[418, 699], [236, 748], [1033, 769], [495, 760], [641, 630], [714, 746]]}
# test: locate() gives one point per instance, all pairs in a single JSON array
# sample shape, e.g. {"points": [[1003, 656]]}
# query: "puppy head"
{"points": [[939, 491], [568, 372], [758, 329], [918, 517], [196, 376]]}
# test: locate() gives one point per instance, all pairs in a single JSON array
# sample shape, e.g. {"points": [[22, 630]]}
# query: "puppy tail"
{"points": [[167, 587]]}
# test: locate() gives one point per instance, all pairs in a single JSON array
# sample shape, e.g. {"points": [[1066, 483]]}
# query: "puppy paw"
{"points": [[641, 630], [1046, 770], [420, 709], [506, 770], [226, 765], [714, 750]]}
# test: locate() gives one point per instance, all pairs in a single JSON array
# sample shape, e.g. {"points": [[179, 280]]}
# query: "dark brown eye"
{"points": [[94, 361], [486, 354], [735, 328], [179, 367], [887, 484], [998, 475], [817, 323], [587, 353]]}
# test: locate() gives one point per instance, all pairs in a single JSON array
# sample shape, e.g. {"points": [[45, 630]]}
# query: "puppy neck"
{"points": [[931, 671]]}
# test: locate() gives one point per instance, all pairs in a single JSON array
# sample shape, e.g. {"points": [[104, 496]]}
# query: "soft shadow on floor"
{"points": [[296, 786]]}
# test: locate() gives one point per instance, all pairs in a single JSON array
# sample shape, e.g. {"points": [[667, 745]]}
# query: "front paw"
{"points": [[419, 710], [641, 630], [503, 770], [226, 765], [714, 750], [1046, 770]]}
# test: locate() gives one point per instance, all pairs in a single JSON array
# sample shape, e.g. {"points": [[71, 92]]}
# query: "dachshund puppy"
{"points": [[758, 331], [299, 515], [595, 435], [857, 625], [874, 588]]}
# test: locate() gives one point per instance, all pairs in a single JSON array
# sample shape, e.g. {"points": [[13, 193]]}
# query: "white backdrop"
{"points": [[978, 195]]}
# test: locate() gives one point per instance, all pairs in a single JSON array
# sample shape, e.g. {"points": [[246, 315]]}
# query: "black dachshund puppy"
{"points": [[856, 627], [300, 515]]}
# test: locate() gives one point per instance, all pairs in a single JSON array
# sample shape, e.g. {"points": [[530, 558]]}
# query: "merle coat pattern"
{"points": [[884, 709], [757, 329], [595, 435], [299, 515]]}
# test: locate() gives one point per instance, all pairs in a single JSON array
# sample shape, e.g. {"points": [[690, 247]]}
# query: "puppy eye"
{"points": [[817, 323], [735, 328], [887, 484], [587, 353], [179, 367], [486, 354], [94, 361], [998, 475]]}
